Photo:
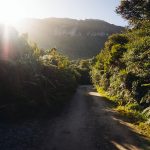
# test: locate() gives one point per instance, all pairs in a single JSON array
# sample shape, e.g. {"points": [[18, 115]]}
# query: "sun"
{"points": [[11, 11]]}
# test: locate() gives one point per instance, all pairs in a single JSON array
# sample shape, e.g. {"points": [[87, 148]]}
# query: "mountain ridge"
{"points": [[74, 38]]}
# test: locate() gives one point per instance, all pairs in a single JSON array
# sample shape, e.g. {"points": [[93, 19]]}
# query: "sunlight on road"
{"points": [[94, 94], [124, 147]]}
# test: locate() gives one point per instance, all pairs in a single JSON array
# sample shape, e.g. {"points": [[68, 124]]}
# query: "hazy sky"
{"points": [[78, 9]]}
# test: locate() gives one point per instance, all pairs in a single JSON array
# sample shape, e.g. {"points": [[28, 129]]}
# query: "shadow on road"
{"points": [[113, 129], [88, 122]]}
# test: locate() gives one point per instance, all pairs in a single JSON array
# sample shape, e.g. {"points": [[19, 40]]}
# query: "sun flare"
{"points": [[12, 11]]}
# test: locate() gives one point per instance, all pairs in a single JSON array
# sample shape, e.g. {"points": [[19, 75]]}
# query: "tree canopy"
{"points": [[134, 10], [123, 67]]}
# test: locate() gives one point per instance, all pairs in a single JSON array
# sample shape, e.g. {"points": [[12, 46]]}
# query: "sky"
{"points": [[13, 10]]}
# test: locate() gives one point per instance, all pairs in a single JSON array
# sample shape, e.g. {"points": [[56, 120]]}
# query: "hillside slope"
{"points": [[75, 38]]}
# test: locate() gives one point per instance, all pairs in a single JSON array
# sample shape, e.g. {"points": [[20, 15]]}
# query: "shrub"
{"points": [[29, 84], [122, 68]]}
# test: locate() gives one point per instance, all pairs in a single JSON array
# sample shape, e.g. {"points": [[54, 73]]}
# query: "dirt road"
{"points": [[87, 123]]}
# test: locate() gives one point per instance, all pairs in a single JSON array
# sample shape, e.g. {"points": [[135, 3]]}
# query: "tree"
{"points": [[134, 10], [122, 67], [53, 57]]}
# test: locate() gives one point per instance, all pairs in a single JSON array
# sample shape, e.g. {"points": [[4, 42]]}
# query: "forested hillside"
{"points": [[74, 38]]}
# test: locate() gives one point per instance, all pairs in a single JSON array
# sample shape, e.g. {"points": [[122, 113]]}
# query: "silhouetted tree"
{"points": [[134, 10]]}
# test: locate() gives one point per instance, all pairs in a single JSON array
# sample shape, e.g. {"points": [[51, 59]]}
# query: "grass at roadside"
{"points": [[136, 118], [131, 112]]}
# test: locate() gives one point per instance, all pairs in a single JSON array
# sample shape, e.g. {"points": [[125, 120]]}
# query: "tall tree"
{"points": [[134, 10]]}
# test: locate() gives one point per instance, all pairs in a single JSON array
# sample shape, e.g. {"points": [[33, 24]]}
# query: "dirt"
{"points": [[89, 123], [86, 123]]}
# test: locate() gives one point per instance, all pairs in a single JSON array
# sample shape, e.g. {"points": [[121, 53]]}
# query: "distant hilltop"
{"points": [[74, 38]]}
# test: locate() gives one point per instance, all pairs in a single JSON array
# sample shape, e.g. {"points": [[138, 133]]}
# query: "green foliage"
{"points": [[133, 106], [134, 10], [131, 114], [82, 70], [122, 68], [147, 112], [30, 84], [52, 57], [144, 129]]}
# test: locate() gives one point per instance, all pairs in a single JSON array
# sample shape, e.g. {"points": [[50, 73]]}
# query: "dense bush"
{"points": [[123, 66], [82, 69], [29, 83]]}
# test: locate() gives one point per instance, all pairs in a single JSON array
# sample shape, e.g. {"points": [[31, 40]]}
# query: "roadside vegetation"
{"points": [[82, 69], [32, 82], [122, 69], [35, 82]]}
